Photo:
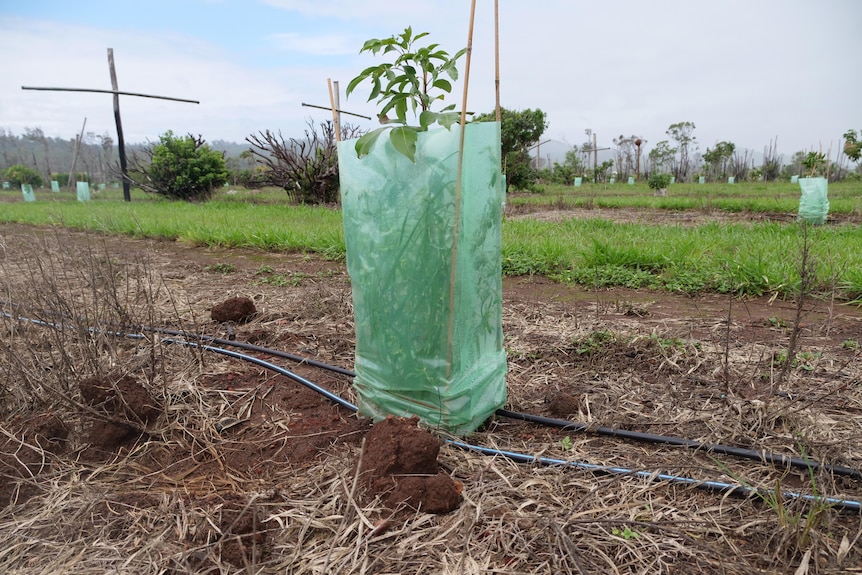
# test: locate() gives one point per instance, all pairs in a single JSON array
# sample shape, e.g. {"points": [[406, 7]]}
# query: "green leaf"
{"points": [[427, 118], [443, 85], [389, 105], [358, 80], [369, 45], [364, 144], [446, 120], [403, 139], [401, 109], [375, 90]]}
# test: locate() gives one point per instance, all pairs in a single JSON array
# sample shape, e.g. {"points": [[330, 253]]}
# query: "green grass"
{"points": [[746, 259], [778, 197], [223, 222]]}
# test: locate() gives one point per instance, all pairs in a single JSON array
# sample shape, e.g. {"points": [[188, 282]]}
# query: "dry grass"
{"points": [[173, 502]]}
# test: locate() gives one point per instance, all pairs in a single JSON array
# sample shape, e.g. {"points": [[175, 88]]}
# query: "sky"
{"points": [[744, 71]]}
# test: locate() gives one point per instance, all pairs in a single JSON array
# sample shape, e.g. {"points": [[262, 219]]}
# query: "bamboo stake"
{"points": [[334, 111], [497, 56], [458, 183]]}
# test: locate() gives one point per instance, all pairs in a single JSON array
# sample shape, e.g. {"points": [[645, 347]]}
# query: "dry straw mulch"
{"points": [[176, 497]]}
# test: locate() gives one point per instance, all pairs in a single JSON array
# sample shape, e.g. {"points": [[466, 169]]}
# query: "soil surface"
{"points": [[708, 368]]}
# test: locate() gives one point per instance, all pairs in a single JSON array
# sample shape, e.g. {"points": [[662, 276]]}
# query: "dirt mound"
{"points": [[399, 463], [235, 309], [561, 404], [126, 406]]}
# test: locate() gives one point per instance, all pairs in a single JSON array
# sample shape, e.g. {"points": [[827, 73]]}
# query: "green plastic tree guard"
{"points": [[83, 191], [27, 190], [429, 336], [814, 203]]}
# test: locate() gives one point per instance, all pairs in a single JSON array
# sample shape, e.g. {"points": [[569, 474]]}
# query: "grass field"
{"points": [[747, 257], [773, 197]]}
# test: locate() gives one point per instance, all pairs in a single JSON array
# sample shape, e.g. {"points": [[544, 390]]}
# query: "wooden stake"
{"points": [[121, 142], [497, 56], [458, 182], [334, 111]]}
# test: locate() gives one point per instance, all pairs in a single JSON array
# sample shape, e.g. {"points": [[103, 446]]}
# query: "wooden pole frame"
{"points": [[121, 142], [121, 146], [120, 92]]}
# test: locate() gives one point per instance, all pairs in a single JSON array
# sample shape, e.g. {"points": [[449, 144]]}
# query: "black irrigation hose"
{"points": [[714, 486], [743, 453], [774, 458], [740, 452]]}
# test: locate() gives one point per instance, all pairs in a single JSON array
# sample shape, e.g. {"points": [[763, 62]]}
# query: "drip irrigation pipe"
{"points": [[714, 486], [776, 459]]}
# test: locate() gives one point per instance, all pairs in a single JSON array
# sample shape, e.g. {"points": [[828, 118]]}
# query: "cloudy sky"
{"points": [[745, 71]]}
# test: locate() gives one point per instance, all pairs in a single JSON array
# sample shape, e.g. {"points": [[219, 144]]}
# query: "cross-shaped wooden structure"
{"points": [[117, 93]]}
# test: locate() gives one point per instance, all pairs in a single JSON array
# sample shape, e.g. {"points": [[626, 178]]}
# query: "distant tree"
{"points": [[106, 144], [771, 168], [306, 168], [571, 167], [21, 174], [852, 146], [740, 165], [519, 131], [718, 158], [626, 154], [662, 156], [600, 172], [37, 136], [7, 147], [182, 168], [683, 134]]}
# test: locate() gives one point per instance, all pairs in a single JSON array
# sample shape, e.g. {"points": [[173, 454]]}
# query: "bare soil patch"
{"points": [[148, 455]]}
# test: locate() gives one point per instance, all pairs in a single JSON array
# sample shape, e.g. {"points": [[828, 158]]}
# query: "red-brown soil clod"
{"points": [[235, 309], [399, 463]]}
